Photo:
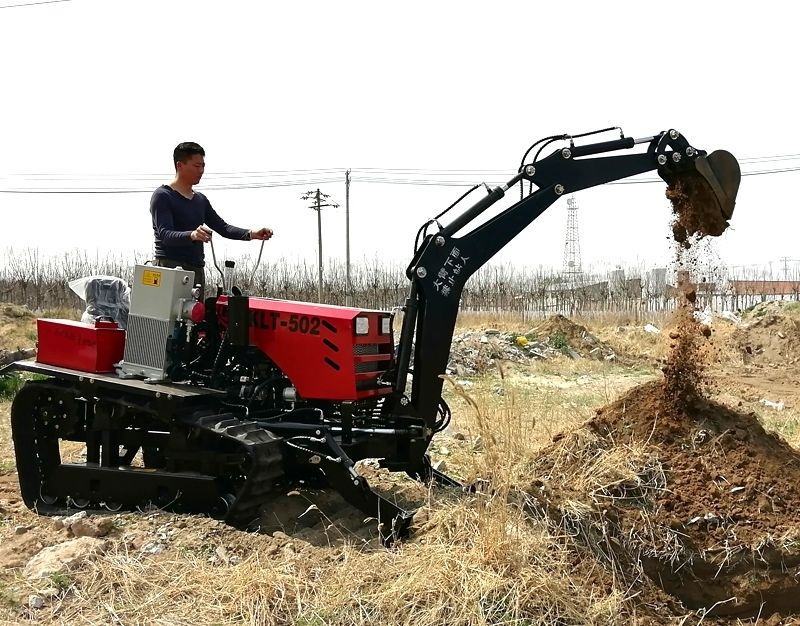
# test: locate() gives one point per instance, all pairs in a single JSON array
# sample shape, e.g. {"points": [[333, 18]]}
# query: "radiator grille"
{"points": [[365, 349], [360, 349], [370, 366], [146, 341]]}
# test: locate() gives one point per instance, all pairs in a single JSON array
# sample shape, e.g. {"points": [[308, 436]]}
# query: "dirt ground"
{"points": [[495, 557]]}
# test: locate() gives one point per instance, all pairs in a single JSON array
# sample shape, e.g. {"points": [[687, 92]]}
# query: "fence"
{"points": [[30, 278]]}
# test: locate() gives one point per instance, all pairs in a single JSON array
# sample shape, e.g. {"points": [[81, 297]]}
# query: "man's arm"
{"points": [[216, 223], [232, 232], [163, 224]]}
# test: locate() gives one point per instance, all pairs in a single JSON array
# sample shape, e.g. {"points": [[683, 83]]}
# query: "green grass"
{"points": [[559, 342], [10, 384], [61, 580]]}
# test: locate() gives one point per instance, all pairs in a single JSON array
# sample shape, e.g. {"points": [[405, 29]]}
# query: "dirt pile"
{"points": [[769, 335], [699, 498], [477, 351], [573, 339], [674, 489]]}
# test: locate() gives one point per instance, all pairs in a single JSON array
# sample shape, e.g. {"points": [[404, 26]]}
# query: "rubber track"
{"points": [[26, 445], [265, 469]]}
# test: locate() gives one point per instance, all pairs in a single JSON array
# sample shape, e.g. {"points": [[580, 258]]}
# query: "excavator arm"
{"points": [[444, 262]]}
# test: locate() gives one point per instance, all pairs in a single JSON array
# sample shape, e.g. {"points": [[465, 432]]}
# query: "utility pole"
{"points": [[347, 235], [320, 200]]}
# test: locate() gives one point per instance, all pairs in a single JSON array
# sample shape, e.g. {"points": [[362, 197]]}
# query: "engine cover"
{"points": [[328, 352]]}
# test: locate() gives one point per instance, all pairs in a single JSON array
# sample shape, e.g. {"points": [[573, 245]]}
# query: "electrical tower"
{"points": [[786, 274], [320, 200], [573, 272]]}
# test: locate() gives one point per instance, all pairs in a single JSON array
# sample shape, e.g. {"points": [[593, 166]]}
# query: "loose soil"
{"points": [[769, 336], [561, 332], [731, 498], [697, 213]]}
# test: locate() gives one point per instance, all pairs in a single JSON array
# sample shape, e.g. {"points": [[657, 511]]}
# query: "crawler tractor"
{"points": [[213, 406]]}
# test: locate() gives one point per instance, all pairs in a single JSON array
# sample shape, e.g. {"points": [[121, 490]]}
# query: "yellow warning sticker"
{"points": [[152, 278]]}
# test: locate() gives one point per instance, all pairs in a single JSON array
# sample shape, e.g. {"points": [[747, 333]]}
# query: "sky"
{"points": [[96, 93]]}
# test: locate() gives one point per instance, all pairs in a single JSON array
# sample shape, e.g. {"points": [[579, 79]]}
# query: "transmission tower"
{"points": [[786, 273], [573, 272]]}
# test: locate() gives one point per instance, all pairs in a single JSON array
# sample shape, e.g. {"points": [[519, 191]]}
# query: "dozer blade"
{"points": [[705, 186]]}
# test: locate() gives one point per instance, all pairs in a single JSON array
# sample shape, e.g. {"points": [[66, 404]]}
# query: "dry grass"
{"points": [[474, 559], [498, 556]]}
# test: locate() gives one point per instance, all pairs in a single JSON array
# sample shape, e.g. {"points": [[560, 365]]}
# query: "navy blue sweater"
{"points": [[174, 219]]}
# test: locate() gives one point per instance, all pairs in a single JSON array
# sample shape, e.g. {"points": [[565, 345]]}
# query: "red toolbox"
{"points": [[79, 346]]}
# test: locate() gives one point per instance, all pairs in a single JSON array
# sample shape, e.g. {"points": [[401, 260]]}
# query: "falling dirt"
{"points": [[684, 368], [732, 489], [697, 213]]}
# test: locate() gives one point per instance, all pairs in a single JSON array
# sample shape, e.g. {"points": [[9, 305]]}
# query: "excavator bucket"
{"points": [[720, 169], [706, 188]]}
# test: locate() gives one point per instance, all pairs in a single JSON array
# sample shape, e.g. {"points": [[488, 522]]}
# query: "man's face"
{"points": [[192, 170]]}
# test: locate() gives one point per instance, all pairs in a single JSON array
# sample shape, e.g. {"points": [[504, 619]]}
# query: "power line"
{"points": [[30, 4], [658, 180], [374, 179], [372, 171], [294, 183]]}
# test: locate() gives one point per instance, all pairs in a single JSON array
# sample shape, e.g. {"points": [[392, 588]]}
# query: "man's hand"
{"points": [[201, 233], [261, 233]]}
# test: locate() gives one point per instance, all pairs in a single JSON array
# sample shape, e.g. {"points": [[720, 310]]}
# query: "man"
{"points": [[179, 214]]}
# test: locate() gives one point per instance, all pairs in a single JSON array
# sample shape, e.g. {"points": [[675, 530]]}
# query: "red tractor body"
{"points": [[328, 352]]}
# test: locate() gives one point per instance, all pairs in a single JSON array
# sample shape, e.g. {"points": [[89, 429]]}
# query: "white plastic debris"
{"points": [[653, 330], [778, 406], [730, 316], [704, 317]]}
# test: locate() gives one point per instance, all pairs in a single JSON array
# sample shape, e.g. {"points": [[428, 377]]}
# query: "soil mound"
{"points": [[669, 487], [697, 497], [770, 335], [478, 351], [574, 339]]}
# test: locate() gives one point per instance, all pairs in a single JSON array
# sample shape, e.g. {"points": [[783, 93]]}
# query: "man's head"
{"points": [[189, 160]]}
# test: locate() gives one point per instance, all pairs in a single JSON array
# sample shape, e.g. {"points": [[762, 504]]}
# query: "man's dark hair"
{"points": [[185, 151]]}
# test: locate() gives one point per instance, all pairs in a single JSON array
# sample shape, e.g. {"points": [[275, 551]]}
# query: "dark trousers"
{"points": [[199, 272]]}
